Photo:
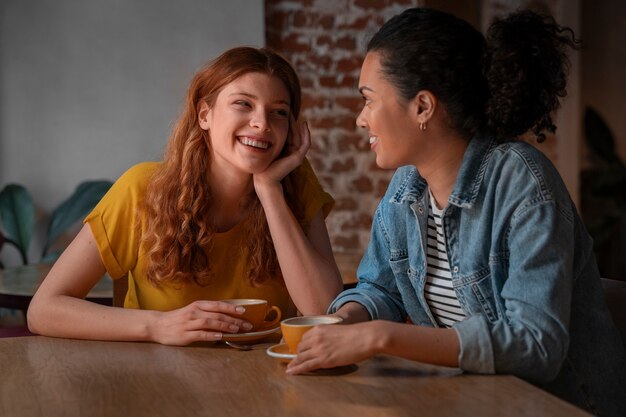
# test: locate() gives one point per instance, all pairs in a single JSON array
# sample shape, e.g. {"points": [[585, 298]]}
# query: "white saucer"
{"points": [[280, 351], [245, 337]]}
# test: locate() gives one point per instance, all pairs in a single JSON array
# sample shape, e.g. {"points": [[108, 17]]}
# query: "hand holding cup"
{"points": [[256, 313], [294, 328]]}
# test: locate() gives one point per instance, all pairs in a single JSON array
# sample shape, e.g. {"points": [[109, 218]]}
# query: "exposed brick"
{"points": [[358, 221], [345, 204], [370, 4], [317, 62], [343, 166], [316, 163], [350, 241], [338, 81], [327, 182], [277, 19], [343, 122], [353, 142], [381, 186], [324, 40], [352, 103], [349, 65], [310, 101], [326, 22], [346, 42], [300, 19], [306, 81], [360, 23], [295, 42], [363, 184]]}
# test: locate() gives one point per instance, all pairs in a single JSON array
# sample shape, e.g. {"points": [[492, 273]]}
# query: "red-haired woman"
{"points": [[233, 211]]}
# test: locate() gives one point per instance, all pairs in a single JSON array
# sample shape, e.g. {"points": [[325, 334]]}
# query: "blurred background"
{"points": [[88, 89]]}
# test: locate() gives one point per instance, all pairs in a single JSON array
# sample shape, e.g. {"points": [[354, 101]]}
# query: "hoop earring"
{"points": [[422, 127]]}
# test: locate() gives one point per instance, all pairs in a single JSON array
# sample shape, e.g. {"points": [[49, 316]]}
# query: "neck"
{"points": [[228, 190], [441, 168]]}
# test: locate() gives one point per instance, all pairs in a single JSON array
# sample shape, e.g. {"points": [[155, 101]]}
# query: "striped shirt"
{"points": [[438, 291]]}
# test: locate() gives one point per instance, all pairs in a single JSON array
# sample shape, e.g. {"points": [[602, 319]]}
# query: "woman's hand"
{"points": [[200, 321], [296, 148], [328, 346]]}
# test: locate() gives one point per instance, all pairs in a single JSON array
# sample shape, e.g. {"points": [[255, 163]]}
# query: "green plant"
{"points": [[17, 216]]}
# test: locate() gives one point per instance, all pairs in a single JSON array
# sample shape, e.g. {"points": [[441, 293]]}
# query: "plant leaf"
{"points": [[78, 205], [17, 213], [50, 257]]}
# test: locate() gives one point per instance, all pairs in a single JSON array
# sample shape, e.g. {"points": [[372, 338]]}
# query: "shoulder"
{"points": [[528, 164], [521, 172], [134, 182], [138, 176], [140, 173]]}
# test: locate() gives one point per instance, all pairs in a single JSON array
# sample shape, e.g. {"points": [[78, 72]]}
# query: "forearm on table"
{"points": [[305, 270], [436, 346], [66, 316], [353, 312]]}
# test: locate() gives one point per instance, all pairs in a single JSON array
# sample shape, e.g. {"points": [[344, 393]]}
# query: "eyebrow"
{"points": [[364, 88], [252, 96]]}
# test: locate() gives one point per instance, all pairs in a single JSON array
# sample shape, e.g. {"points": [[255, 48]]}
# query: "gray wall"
{"points": [[89, 88]]}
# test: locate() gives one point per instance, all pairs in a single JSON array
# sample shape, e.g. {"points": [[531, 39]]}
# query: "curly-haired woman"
{"points": [[233, 211], [476, 242]]}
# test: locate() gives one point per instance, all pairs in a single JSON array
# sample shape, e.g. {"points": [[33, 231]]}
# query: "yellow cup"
{"points": [[256, 312], [294, 328]]}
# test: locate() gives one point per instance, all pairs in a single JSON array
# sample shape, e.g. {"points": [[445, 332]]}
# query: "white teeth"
{"points": [[255, 143], [373, 139]]}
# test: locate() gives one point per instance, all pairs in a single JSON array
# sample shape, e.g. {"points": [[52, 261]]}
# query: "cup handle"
{"points": [[275, 320]]}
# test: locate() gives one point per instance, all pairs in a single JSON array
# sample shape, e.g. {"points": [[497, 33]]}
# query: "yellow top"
{"points": [[121, 249]]}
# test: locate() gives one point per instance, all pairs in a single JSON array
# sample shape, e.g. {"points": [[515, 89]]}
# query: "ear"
{"points": [[424, 105], [204, 116]]}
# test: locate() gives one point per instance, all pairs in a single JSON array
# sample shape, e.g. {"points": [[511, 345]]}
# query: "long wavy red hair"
{"points": [[178, 231]]}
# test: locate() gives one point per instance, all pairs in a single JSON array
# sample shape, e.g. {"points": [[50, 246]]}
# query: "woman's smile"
{"points": [[257, 144]]}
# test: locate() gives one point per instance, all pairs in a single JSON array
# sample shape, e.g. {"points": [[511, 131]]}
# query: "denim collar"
{"points": [[468, 179]]}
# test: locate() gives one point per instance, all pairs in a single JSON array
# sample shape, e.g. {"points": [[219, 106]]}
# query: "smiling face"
{"points": [[248, 123], [390, 120]]}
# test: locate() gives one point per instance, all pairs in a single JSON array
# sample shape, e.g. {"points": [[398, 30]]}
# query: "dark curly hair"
{"points": [[505, 85]]}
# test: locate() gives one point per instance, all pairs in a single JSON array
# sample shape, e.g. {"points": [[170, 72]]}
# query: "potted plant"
{"points": [[17, 216]]}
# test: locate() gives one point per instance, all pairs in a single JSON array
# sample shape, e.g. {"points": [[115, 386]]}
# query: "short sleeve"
{"points": [[113, 221], [313, 196]]}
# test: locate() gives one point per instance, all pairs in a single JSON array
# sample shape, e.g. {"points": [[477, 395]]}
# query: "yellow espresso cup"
{"points": [[294, 328], [256, 312]]}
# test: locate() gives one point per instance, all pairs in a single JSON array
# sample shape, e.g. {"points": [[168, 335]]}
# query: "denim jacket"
{"points": [[522, 268]]}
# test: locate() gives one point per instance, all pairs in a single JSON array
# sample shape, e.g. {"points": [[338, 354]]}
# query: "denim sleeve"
{"points": [[376, 289], [531, 337]]}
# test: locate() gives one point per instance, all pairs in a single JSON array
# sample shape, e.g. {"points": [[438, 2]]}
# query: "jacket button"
{"points": [[455, 269], [420, 210]]}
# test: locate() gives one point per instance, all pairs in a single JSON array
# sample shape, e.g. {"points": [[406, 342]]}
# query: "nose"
{"points": [[360, 120], [259, 121]]}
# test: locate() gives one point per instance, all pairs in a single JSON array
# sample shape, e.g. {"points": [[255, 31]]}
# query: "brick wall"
{"points": [[325, 41]]}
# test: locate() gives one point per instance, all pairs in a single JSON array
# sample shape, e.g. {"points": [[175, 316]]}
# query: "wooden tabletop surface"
{"points": [[51, 377]]}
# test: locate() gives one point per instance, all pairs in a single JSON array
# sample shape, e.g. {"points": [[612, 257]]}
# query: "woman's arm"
{"points": [[329, 346], [306, 259], [59, 309]]}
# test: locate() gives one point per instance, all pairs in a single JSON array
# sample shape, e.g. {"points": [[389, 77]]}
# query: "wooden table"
{"points": [[18, 285], [50, 377]]}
